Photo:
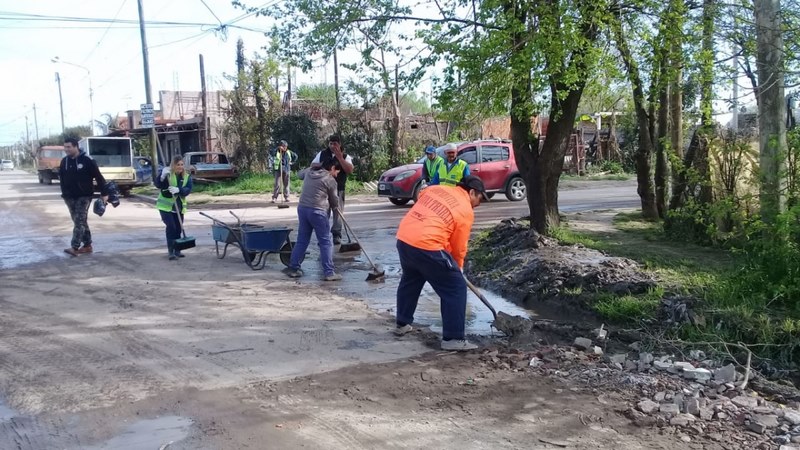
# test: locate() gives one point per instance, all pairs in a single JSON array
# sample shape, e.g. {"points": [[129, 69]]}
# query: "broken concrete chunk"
{"points": [[660, 365], [699, 374], [756, 427], [792, 416], [682, 365], [659, 397], [692, 406], [744, 401], [681, 420], [635, 346], [768, 420], [647, 406], [669, 408], [646, 358], [618, 358], [583, 343], [597, 350], [601, 332], [725, 374], [535, 362], [706, 413]]}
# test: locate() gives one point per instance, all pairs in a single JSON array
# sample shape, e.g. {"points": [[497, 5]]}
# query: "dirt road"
{"points": [[125, 349]]}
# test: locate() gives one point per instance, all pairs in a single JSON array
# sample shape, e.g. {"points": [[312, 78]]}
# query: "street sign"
{"points": [[148, 118]]}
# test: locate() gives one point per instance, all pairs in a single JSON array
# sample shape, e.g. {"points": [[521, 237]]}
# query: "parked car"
{"points": [[6, 164], [492, 160], [211, 166]]}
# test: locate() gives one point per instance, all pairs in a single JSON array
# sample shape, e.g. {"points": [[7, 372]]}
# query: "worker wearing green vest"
{"points": [[431, 164], [452, 170], [282, 163], [175, 184]]}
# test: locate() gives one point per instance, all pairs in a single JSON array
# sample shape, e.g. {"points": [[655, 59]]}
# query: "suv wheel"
{"points": [[516, 190], [399, 201]]}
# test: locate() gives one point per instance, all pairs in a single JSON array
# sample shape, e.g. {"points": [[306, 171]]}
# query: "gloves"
{"points": [[173, 190], [165, 173]]}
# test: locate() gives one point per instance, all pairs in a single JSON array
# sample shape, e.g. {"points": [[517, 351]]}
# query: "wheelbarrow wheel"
{"points": [[285, 253]]}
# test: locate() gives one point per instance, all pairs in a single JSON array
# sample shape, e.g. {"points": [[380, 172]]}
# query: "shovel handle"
{"points": [[480, 295]]}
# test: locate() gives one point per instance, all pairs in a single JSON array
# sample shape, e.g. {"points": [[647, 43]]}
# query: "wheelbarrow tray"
{"points": [[264, 239], [229, 234]]}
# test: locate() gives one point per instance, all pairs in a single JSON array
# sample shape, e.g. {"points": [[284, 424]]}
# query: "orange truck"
{"points": [[48, 158]]}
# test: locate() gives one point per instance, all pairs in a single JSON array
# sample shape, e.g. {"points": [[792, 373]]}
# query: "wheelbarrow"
{"points": [[255, 241]]}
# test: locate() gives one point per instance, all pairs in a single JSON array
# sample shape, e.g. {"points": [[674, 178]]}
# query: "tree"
{"points": [[771, 107]]}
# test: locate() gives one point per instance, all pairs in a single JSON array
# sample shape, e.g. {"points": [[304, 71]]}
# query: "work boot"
{"points": [[85, 249], [293, 273], [404, 330], [171, 250], [179, 254], [71, 251], [459, 345], [333, 277]]}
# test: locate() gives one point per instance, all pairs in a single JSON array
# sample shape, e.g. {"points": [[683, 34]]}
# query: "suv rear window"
{"points": [[51, 154], [491, 153]]}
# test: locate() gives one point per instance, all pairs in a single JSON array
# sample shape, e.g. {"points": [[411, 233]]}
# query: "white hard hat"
{"points": [[450, 148]]}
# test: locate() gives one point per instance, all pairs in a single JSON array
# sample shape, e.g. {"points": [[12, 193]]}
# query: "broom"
{"points": [[184, 242]]}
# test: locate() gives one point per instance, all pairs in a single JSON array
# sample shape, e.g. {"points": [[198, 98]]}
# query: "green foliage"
{"points": [[629, 308], [78, 132], [793, 168], [369, 149], [323, 93], [300, 132]]}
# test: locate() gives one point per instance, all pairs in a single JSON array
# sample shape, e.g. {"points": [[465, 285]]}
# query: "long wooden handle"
{"points": [[480, 295], [347, 225]]}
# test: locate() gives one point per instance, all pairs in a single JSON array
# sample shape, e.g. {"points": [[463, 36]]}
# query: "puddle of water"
{"points": [[6, 413], [149, 433]]}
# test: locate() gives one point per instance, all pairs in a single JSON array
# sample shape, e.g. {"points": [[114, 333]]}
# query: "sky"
{"points": [[111, 52]]}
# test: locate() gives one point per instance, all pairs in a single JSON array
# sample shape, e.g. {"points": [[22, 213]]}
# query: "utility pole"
{"points": [[35, 123], [289, 87], [336, 80], [27, 137], [148, 96], [61, 103], [206, 128]]}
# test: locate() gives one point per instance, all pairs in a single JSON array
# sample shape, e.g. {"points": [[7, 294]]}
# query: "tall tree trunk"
{"points": [[676, 91], [662, 168], [707, 128], [771, 108], [643, 154]]}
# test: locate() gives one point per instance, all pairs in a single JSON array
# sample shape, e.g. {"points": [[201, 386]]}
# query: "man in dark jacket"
{"points": [[77, 173], [334, 151]]}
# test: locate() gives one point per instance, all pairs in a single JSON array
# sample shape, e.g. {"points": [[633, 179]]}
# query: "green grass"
{"points": [[629, 308], [261, 183], [603, 177]]}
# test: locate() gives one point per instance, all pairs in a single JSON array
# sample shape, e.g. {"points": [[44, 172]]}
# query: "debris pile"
{"points": [[695, 398]]}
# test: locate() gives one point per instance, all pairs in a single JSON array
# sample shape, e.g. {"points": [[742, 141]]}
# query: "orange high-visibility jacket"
{"points": [[441, 219]]}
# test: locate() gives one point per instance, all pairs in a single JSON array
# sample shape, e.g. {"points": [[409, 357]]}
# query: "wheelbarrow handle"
{"points": [[219, 222], [238, 220]]}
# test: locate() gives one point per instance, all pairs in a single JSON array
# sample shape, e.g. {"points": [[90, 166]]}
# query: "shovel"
{"points": [[376, 273], [480, 295]]}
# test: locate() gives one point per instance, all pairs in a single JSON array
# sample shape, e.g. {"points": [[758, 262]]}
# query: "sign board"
{"points": [[148, 117]]}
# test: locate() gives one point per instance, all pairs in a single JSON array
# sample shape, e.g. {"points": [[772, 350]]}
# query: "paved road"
{"points": [[35, 227]]}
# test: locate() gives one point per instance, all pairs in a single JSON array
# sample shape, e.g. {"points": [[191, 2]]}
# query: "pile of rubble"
{"points": [[696, 398]]}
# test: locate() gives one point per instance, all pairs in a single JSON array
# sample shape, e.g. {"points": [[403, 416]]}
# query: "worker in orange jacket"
{"points": [[432, 243]]}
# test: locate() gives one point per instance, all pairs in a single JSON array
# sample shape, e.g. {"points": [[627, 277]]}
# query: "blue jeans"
{"points": [[316, 220], [170, 219], [440, 270]]}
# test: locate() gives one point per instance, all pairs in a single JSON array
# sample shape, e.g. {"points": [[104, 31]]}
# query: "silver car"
{"points": [[6, 164]]}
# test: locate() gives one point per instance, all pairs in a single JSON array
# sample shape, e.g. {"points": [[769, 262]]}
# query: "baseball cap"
{"points": [[284, 143], [430, 149], [450, 148], [473, 182]]}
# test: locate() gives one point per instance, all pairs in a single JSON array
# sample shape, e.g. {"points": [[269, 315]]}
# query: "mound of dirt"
{"points": [[523, 266]]}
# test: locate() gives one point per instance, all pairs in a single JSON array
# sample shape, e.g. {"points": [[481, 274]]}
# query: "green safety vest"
{"points": [[276, 161], [432, 166], [167, 204], [454, 175]]}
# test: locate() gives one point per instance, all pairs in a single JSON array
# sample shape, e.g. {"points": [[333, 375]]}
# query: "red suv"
{"points": [[492, 160]]}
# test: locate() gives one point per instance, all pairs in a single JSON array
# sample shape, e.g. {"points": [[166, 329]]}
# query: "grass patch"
{"points": [[599, 177], [629, 308], [262, 183]]}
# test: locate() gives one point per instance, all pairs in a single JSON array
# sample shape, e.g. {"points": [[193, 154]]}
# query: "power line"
{"points": [[105, 32], [211, 11]]}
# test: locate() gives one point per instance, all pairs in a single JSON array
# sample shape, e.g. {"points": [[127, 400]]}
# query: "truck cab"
{"points": [[48, 159], [114, 156]]}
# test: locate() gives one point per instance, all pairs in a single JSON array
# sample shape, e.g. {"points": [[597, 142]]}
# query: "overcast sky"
{"points": [[112, 54]]}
